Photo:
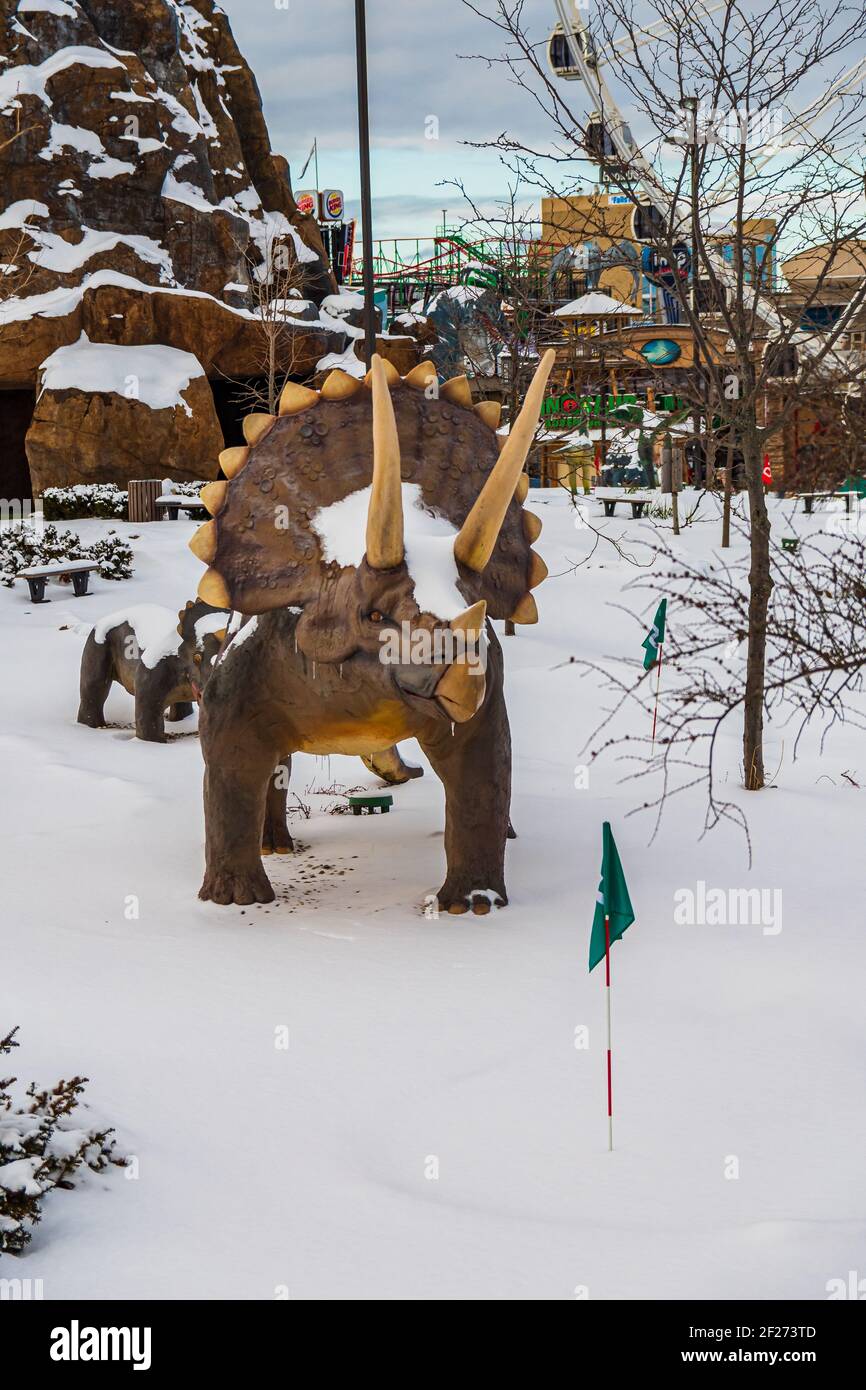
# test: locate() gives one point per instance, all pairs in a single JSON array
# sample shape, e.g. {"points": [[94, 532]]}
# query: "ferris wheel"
{"points": [[572, 56]]}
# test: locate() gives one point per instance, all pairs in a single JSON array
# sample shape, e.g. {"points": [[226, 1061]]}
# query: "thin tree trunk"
{"points": [[272, 372], [760, 588], [726, 508]]}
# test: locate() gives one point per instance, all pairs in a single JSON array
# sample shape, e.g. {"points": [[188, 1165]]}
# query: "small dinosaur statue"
{"points": [[155, 657], [371, 530], [164, 660]]}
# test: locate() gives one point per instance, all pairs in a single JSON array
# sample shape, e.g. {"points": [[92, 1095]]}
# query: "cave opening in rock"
{"points": [[233, 400], [16, 413]]}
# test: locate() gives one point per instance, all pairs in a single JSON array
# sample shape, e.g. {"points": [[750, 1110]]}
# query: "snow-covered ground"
{"points": [[418, 1044]]}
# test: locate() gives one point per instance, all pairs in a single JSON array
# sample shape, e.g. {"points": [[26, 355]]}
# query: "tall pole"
{"points": [[609, 1060], [658, 688], [366, 196]]}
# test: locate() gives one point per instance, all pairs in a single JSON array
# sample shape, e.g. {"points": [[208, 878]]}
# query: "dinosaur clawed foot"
{"points": [[457, 897], [242, 886], [285, 846]]}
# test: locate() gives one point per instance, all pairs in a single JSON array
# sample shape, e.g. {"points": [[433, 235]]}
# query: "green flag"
{"points": [[612, 900], [654, 639]]}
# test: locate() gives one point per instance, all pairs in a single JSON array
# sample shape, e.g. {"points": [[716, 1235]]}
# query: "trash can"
{"points": [[143, 493]]}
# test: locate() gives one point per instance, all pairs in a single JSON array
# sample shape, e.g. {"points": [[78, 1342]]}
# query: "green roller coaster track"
{"points": [[409, 266]]}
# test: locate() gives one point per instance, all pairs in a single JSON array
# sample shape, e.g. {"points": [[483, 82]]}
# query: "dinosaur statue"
{"points": [[164, 660], [364, 529], [157, 659]]}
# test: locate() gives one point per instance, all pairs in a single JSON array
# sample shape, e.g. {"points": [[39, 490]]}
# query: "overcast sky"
{"points": [[304, 60], [303, 56]]}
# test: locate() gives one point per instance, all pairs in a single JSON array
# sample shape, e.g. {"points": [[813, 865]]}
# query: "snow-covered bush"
{"points": [[22, 546], [113, 555], [41, 1146], [85, 499], [171, 488]]}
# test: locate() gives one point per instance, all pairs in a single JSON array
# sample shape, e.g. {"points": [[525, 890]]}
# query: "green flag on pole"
{"points": [[654, 639], [612, 900]]}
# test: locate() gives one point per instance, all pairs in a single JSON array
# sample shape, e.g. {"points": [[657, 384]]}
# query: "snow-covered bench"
{"points": [[609, 496], [809, 498], [37, 576], [171, 503]]}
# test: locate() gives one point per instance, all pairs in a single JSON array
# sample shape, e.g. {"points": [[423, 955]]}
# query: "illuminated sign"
{"points": [[308, 202], [659, 269], [660, 352], [333, 205], [580, 412]]}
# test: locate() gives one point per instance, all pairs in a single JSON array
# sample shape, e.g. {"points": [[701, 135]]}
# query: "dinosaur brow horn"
{"points": [[385, 513], [474, 544]]}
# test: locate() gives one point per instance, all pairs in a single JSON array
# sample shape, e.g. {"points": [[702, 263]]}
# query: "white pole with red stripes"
{"points": [[609, 1056]]}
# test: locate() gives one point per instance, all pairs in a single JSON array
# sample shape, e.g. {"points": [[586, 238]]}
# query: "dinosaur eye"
{"points": [[375, 616]]}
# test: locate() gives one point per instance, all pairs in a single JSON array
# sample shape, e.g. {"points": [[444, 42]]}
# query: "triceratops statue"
{"points": [[362, 526]]}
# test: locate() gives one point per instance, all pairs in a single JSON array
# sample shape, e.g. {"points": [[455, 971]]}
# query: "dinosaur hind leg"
{"points": [[181, 709], [275, 831]]}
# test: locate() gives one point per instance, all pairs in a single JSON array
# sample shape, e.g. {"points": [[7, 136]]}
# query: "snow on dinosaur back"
{"points": [[155, 630]]}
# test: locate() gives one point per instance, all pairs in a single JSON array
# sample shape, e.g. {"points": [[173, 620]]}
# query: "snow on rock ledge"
{"points": [[155, 375], [108, 414]]}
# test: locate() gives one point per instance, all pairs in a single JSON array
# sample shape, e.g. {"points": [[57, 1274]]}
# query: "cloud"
{"points": [[304, 61]]}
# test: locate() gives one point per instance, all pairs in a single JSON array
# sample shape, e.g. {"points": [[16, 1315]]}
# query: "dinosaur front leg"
{"points": [[97, 673], [154, 687], [238, 766], [474, 764], [275, 831]]}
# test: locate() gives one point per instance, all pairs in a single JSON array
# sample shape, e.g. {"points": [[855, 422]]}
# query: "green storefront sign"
{"points": [[566, 412]]}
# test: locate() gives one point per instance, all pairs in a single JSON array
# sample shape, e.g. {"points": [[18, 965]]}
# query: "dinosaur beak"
{"points": [[460, 690], [474, 543], [385, 513]]}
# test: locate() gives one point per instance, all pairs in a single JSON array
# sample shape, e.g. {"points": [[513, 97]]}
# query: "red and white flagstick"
{"points": [[609, 1068], [658, 685]]}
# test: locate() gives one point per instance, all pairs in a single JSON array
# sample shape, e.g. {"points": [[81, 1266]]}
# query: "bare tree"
{"points": [[275, 278], [729, 117], [816, 648]]}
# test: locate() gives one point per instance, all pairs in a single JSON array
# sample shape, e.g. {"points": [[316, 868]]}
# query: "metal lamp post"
{"points": [[366, 197]]}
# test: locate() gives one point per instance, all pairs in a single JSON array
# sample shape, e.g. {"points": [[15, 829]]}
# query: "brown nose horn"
{"points": [[461, 689]]}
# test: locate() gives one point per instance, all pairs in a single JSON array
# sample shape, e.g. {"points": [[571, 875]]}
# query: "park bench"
{"points": [[609, 496], [37, 576], [171, 503], [810, 497]]}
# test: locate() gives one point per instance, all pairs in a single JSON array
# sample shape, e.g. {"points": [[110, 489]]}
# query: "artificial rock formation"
{"points": [[140, 196], [160, 414]]}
